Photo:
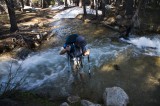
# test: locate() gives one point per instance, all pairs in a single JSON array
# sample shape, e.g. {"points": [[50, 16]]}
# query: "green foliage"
{"points": [[52, 2], [27, 98], [35, 1]]}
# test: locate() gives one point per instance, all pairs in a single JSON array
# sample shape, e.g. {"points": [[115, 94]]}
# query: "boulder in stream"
{"points": [[64, 104], [115, 96]]}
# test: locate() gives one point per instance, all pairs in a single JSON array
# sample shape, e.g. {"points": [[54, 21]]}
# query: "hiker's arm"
{"points": [[85, 53], [64, 50]]}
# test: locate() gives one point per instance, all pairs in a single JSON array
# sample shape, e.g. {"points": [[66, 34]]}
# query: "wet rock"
{"points": [[87, 20], [109, 7], [36, 44], [22, 53], [151, 28], [41, 24], [115, 96], [73, 99], [116, 67], [64, 104], [118, 17], [116, 27], [158, 29], [79, 16], [88, 103], [111, 21], [114, 39]]}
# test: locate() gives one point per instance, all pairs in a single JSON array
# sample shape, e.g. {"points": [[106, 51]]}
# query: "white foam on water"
{"points": [[57, 7], [150, 45], [48, 65], [38, 67], [144, 42], [104, 54]]}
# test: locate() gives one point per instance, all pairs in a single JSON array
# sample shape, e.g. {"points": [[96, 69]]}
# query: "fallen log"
{"points": [[22, 39], [111, 27], [29, 34]]}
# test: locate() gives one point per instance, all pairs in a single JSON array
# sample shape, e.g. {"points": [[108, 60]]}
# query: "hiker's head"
{"points": [[67, 47]]}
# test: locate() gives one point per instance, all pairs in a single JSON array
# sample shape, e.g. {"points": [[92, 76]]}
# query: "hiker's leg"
{"points": [[81, 71], [74, 70]]}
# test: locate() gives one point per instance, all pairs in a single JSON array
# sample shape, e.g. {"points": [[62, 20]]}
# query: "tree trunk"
{"points": [[49, 2], [92, 4], [22, 3], [135, 18], [135, 3], [129, 7], [77, 2], [103, 8], [107, 1], [84, 8], [66, 4], [96, 2], [80, 3], [31, 3], [42, 3], [12, 16], [118, 2], [46, 3], [27, 2]]}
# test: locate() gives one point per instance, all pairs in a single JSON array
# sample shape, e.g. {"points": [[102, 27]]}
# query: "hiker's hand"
{"points": [[87, 52], [62, 51], [68, 48]]}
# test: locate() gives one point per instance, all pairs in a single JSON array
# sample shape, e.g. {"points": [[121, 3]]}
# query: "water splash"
{"points": [[144, 42], [148, 45], [39, 67], [48, 66]]}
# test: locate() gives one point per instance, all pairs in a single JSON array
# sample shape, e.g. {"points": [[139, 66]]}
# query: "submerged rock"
{"points": [[88, 103], [73, 99], [64, 104], [22, 52]]}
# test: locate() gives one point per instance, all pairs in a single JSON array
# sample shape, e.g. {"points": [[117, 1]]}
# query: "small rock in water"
{"points": [[88, 103], [64, 104], [73, 99], [116, 67]]}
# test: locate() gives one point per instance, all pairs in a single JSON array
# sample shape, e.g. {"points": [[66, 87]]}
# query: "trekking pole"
{"points": [[89, 71], [68, 63]]}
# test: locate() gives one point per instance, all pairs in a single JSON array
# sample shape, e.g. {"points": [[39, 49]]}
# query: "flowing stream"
{"points": [[137, 60]]}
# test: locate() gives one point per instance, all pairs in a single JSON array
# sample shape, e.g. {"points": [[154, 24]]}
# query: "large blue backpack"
{"points": [[71, 39]]}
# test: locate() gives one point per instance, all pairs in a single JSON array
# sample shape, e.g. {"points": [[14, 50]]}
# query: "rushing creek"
{"points": [[138, 65]]}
